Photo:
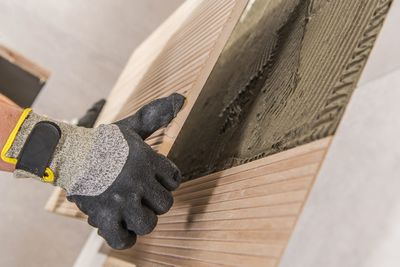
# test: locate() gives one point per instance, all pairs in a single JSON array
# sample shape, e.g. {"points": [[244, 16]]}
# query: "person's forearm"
{"points": [[9, 116]]}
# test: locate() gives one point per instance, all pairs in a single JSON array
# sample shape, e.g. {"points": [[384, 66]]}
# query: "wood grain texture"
{"points": [[178, 56], [114, 262], [58, 203], [242, 216], [142, 59], [184, 62]]}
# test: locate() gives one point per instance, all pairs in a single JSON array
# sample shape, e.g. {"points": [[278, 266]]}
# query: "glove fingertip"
{"points": [[178, 101], [119, 241]]}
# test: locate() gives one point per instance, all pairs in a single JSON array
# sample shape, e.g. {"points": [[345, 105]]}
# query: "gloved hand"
{"points": [[111, 174]]}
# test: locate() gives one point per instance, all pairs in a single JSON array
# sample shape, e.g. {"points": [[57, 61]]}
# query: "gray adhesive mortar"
{"points": [[299, 62]]}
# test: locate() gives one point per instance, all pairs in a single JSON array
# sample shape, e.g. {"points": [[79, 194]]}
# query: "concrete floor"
{"points": [[85, 44]]}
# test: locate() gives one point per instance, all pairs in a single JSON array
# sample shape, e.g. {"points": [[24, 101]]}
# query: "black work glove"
{"points": [[111, 174], [130, 206]]}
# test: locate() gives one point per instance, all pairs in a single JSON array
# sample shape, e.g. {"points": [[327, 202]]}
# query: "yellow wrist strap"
{"points": [[49, 175], [12, 136]]}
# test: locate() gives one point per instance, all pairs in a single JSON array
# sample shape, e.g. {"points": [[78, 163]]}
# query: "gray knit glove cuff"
{"points": [[85, 162]]}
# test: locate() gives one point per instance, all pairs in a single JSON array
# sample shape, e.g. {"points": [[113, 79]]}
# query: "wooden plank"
{"points": [[60, 205], [256, 249], [114, 262], [17, 59], [244, 217], [178, 56], [187, 60], [246, 236], [240, 200], [185, 46], [160, 260], [234, 213], [209, 257], [221, 192], [142, 58]]}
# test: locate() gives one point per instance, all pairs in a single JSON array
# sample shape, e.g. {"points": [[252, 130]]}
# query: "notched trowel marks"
{"points": [[278, 90], [234, 112], [283, 80], [327, 120], [316, 5]]}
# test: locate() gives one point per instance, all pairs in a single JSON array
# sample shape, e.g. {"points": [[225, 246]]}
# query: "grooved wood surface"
{"points": [[243, 216], [184, 62], [142, 59], [114, 262], [178, 56], [58, 203]]}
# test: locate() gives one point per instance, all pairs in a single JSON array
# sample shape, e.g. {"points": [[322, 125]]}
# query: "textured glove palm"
{"points": [[111, 173]]}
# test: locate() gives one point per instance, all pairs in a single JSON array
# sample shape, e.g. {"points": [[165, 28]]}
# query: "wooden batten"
{"points": [[173, 59], [115, 262], [243, 216], [177, 57], [58, 203]]}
